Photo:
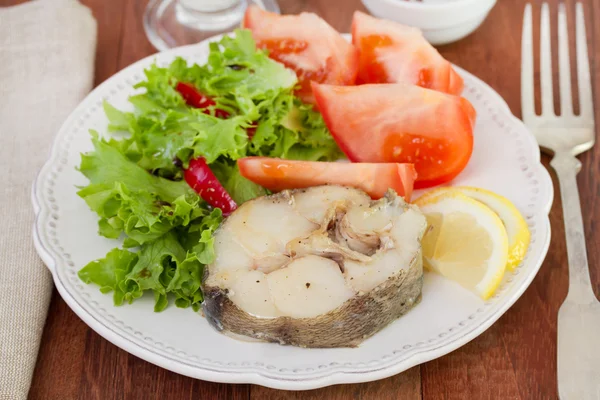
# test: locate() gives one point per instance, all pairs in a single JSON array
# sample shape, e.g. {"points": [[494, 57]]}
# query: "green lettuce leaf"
{"points": [[130, 200], [109, 271], [164, 266], [168, 139], [239, 188], [165, 133], [136, 181], [235, 66]]}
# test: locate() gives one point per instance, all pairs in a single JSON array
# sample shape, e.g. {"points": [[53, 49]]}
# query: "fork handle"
{"points": [[567, 166]]}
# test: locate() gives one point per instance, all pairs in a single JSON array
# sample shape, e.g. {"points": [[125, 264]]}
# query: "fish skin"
{"points": [[346, 326]]}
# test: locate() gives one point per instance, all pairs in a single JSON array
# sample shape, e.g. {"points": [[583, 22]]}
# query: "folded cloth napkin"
{"points": [[47, 50]]}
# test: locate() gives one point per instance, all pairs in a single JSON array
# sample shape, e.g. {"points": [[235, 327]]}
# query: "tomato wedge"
{"points": [[375, 179], [393, 53], [400, 123], [306, 44]]}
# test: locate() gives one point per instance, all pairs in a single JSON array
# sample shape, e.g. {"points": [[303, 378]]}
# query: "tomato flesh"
{"points": [[371, 69], [375, 179], [392, 53], [306, 44], [399, 123], [280, 48]]}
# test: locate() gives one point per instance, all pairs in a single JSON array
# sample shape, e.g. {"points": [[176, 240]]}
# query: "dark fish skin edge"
{"points": [[347, 326]]}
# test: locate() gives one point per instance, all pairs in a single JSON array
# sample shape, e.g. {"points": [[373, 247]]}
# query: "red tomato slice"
{"points": [[393, 53], [400, 123], [306, 44], [375, 179]]}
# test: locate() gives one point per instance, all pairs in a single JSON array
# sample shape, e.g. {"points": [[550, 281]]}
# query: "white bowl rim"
{"points": [[430, 6]]}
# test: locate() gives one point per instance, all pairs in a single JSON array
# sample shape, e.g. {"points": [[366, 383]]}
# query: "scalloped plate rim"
{"points": [[260, 377]]}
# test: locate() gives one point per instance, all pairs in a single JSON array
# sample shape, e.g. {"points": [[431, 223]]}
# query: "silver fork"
{"points": [[565, 137]]}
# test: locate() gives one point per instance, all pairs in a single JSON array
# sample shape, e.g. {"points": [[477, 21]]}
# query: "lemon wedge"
{"points": [[516, 226], [467, 241]]}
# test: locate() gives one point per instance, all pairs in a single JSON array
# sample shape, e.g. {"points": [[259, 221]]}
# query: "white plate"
{"points": [[505, 159]]}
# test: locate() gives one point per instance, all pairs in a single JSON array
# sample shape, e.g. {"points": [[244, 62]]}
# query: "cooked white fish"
{"points": [[318, 267]]}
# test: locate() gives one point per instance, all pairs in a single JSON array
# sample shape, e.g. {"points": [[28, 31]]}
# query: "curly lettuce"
{"points": [[135, 174], [163, 266]]}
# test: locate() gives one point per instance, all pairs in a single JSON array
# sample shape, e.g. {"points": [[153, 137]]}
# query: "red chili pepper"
{"points": [[193, 97], [200, 177], [196, 99], [251, 130], [220, 113]]}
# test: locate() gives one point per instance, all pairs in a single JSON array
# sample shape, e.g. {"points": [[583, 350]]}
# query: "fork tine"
{"points": [[527, 99], [546, 63], [583, 65], [564, 63]]}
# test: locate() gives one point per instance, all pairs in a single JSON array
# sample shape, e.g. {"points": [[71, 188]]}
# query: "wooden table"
{"points": [[515, 358]]}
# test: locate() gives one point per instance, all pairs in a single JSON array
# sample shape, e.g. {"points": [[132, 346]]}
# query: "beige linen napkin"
{"points": [[47, 52]]}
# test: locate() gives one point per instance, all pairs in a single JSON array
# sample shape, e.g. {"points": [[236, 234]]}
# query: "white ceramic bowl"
{"points": [[442, 21]]}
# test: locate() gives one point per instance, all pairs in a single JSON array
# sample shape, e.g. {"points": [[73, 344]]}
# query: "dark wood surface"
{"points": [[514, 359]]}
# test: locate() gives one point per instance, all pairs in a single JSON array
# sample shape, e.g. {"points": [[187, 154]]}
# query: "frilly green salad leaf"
{"points": [[136, 181]]}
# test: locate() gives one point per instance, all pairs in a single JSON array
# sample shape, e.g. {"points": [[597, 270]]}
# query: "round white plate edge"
{"points": [[334, 377]]}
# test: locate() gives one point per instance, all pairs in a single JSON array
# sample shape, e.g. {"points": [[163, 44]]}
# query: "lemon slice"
{"points": [[516, 227], [467, 241]]}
